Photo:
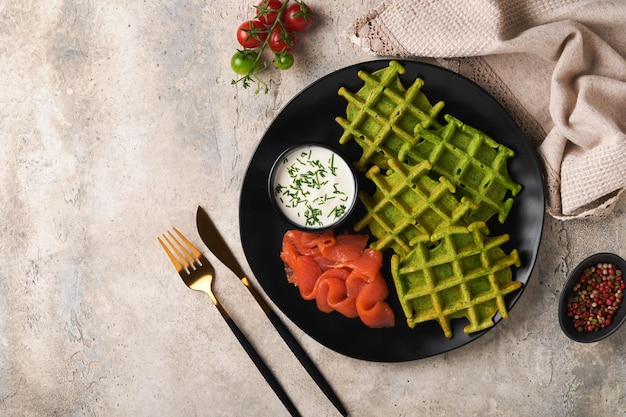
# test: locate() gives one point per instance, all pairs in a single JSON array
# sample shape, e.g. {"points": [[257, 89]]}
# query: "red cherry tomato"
{"points": [[251, 34], [267, 11], [298, 17], [281, 40]]}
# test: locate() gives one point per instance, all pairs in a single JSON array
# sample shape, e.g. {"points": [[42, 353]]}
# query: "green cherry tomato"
{"points": [[283, 61], [243, 62]]}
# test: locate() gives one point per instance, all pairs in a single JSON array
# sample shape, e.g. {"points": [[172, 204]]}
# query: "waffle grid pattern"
{"points": [[435, 188], [382, 115], [408, 205], [458, 272], [475, 163]]}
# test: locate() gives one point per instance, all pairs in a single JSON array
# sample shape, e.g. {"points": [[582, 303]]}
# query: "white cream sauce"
{"points": [[314, 187]]}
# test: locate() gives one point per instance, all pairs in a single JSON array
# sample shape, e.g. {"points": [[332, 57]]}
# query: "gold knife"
{"points": [[216, 244]]}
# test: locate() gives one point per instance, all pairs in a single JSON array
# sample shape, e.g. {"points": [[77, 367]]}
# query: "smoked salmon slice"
{"points": [[340, 273]]}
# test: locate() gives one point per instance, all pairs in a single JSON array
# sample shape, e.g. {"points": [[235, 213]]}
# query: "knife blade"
{"points": [[217, 245]]}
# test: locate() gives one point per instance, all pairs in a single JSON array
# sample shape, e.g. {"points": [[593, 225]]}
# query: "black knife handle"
{"points": [[263, 368], [306, 362]]}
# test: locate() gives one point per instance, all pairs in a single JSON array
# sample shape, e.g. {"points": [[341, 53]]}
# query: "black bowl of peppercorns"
{"points": [[591, 305]]}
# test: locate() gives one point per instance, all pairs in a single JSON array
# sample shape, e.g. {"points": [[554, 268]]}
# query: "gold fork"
{"points": [[198, 273]]}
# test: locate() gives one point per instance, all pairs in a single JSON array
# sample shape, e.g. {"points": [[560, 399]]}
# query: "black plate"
{"points": [[310, 117]]}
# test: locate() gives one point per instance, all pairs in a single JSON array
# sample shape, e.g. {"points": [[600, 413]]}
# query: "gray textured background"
{"points": [[117, 119]]}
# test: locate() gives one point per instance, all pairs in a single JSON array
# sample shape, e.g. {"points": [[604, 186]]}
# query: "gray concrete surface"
{"points": [[116, 120]]}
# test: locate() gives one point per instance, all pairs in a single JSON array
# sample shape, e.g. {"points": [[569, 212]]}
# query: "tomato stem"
{"points": [[256, 68], [279, 20]]}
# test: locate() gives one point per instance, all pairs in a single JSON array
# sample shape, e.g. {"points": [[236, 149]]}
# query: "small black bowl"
{"points": [[350, 177], [566, 322]]}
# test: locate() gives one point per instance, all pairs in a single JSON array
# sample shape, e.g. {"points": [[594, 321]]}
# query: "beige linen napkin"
{"points": [[557, 65]]}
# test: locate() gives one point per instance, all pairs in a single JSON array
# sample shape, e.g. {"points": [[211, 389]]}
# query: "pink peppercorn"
{"points": [[596, 297]]}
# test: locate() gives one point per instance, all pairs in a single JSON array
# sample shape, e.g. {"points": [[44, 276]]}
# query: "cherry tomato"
{"points": [[283, 60], [298, 17], [251, 34], [281, 40], [243, 62], [267, 11]]}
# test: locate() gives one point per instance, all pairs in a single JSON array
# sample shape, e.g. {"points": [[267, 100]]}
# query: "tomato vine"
{"points": [[273, 27]]}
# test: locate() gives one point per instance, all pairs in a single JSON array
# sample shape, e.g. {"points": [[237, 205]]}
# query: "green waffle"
{"points": [[457, 272], [408, 205], [382, 115], [388, 121], [471, 160], [436, 186], [444, 267]]}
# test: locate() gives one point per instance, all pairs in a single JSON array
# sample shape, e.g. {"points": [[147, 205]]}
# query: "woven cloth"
{"points": [[558, 67]]}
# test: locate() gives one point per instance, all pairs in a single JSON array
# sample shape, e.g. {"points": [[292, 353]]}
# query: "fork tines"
{"points": [[184, 257]]}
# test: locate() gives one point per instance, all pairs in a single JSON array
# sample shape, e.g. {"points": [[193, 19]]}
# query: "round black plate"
{"points": [[310, 117]]}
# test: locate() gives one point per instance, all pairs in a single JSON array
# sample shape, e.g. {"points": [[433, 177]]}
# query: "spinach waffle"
{"points": [[436, 186]]}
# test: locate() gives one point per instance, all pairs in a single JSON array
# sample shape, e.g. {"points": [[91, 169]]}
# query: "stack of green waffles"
{"points": [[436, 187]]}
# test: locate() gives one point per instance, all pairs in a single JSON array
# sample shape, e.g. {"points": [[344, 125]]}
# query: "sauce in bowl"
{"points": [[313, 187]]}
